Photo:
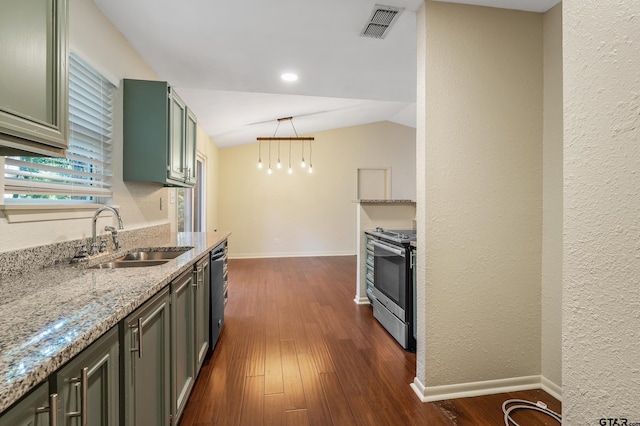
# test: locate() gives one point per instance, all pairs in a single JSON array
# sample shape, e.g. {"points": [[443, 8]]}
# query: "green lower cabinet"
{"points": [[32, 410], [88, 386], [182, 342], [145, 354], [202, 295]]}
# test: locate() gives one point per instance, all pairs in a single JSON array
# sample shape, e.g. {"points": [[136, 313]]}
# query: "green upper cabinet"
{"points": [[190, 147], [34, 77], [159, 135]]}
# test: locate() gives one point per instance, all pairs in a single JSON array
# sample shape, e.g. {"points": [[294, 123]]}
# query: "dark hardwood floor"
{"points": [[296, 350]]}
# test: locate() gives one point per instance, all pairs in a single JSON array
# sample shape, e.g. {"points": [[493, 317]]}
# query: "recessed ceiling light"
{"points": [[289, 76]]}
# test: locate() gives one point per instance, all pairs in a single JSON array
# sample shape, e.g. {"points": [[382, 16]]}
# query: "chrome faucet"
{"points": [[114, 233]]}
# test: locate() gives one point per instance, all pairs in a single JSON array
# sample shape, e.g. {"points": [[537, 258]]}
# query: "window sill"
{"points": [[23, 213]]}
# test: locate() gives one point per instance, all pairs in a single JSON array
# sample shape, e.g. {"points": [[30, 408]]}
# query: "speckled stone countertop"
{"points": [[50, 315], [385, 201]]}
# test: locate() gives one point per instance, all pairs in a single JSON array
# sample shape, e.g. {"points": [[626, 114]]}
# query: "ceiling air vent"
{"points": [[380, 21]]}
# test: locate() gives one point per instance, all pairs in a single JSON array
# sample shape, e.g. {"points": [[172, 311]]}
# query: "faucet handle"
{"points": [[81, 254], [114, 236], [103, 245]]}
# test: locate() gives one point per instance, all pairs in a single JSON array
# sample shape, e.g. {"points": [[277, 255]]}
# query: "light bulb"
{"points": [[310, 168], [302, 164], [290, 170], [279, 165], [269, 171], [260, 164]]}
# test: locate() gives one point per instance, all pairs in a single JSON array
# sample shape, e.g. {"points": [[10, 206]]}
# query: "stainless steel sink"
{"points": [[128, 264], [152, 255]]}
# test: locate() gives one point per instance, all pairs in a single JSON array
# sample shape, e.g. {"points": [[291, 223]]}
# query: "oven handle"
{"points": [[387, 247]]}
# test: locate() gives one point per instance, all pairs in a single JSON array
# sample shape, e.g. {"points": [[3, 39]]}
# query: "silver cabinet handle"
{"points": [[52, 409], [199, 278], [84, 403], [139, 348]]}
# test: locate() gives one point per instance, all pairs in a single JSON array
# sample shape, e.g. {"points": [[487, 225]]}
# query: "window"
{"points": [[84, 176], [191, 212]]}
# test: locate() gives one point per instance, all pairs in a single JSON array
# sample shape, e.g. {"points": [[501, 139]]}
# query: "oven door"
{"points": [[390, 272]]}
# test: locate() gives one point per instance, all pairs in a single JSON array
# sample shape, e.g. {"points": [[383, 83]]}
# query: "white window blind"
{"points": [[85, 174]]}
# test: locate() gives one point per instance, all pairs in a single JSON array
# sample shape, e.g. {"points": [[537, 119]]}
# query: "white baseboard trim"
{"points": [[551, 388], [465, 390], [361, 300]]}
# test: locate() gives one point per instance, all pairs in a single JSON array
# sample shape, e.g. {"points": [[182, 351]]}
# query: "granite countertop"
{"points": [[384, 201], [50, 315]]}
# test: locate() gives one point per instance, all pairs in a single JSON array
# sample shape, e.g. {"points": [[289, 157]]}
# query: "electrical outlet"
{"points": [[275, 241]]}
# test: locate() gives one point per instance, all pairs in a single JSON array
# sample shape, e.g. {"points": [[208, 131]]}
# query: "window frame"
{"points": [[93, 140]]}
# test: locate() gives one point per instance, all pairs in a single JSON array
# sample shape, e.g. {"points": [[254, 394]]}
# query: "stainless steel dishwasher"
{"points": [[218, 291]]}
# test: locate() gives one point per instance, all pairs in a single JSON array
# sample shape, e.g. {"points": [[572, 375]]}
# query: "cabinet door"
{"points": [[190, 147], [202, 311], [177, 134], [32, 410], [146, 363], [34, 75], [182, 342], [88, 386]]}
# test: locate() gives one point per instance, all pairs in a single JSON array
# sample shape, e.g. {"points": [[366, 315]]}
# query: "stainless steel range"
{"points": [[393, 284]]}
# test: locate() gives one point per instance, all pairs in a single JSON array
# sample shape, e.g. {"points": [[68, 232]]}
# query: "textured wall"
{"points": [[309, 214], [601, 249], [421, 195], [483, 194], [207, 148], [552, 200]]}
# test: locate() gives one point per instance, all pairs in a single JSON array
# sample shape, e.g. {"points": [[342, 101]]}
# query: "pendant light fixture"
{"points": [[280, 139], [310, 165], [269, 170], [290, 169]]}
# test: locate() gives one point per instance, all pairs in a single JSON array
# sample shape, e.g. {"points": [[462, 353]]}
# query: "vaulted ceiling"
{"points": [[225, 59]]}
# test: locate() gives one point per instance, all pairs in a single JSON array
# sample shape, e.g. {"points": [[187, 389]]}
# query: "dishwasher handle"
{"points": [[217, 255]]}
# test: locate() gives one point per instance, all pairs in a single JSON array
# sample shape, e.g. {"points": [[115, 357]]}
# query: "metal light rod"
{"points": [[288, 139]]}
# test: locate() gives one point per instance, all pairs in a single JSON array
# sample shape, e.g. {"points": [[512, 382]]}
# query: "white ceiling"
{"points": [[225, 59]]}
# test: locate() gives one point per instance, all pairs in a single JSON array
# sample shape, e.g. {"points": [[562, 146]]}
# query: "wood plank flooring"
{"points": [[296, 350]]}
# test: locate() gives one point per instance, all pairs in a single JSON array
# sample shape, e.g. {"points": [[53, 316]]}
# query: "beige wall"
{"points": [[552, 202], [208, 149], [481, 202], [97, 41], [308, 214], [601, 299]]}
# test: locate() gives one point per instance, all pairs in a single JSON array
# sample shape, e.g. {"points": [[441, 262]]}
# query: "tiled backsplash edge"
{"points": [[19, 261]]}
